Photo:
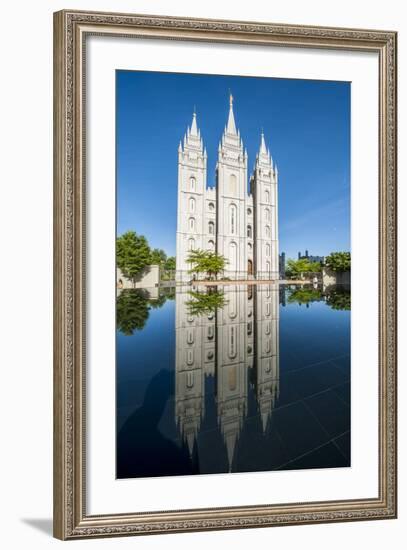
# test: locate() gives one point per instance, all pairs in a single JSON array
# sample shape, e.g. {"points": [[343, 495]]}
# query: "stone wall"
{"points": [[330, 277], [148, 278]]}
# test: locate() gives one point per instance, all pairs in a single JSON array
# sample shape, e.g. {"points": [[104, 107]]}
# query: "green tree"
{"points": [[158, 257], [338, 261], [204, 261], [196, 259], [295, 268], [168, 269], [170, 264], [215, 264], [315, 267], [132, 253]]}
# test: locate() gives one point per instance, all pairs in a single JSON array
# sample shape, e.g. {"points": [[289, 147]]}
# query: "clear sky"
{"points": [[306, 124]]}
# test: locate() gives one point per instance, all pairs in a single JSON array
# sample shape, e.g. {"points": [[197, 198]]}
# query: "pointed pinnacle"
{"points": [[263, 148], [194, 128]]}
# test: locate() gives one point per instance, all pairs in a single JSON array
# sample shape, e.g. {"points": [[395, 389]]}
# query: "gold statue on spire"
{"points": [[230, 99]]}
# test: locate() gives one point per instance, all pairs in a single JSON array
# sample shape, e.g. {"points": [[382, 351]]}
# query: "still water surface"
{"points": [[234, 379]]}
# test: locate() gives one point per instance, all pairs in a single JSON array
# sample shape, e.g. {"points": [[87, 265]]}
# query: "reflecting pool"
{"points": [[236, 378]]}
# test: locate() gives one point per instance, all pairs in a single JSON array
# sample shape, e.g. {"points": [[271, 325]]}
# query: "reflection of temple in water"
{"points": [[238, 345]]}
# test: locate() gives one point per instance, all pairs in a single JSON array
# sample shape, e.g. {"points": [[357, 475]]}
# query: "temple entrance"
{"points": [[250, 268]]}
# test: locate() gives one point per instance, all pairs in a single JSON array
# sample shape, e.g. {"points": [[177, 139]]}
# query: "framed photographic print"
{"points": [[225, 274]]}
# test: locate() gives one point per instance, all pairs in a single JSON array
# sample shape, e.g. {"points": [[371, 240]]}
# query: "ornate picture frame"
{"points": [[71, 519]]}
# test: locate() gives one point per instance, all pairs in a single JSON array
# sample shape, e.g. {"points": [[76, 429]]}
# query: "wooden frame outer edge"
{"points": [[70, 520]]}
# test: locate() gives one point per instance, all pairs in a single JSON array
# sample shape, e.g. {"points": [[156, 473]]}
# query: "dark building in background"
{"points": [[312, 259], [281, 265], [282, 295]]}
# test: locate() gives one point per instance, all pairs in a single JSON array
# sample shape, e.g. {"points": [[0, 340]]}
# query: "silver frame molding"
{"points": [[70, 31]]}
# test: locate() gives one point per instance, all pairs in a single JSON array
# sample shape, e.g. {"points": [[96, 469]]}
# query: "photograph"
{"points": [[233, 274], [225, 298]]}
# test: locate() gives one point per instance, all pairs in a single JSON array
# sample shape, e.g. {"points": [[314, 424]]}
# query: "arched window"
{"points": [[233, 305], [267, 249], [211, 228], [249, 211], [268, 309], [192, 224], [267, 196], [190, 379], [249, 328], [191, 244], [192, 183], [267, 214], [190, 337], [211, 206], [190, 356], [232, 214], [249, 231], [211, 246], [232, 256], [192, 204], [210, 332], [267, 231], [268, 267], [250, 247], [233, 184], [232, 341]]}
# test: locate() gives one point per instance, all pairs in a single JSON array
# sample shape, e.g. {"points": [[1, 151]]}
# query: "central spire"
{"points": [[194, 128], [263, 148], [231, 127]]}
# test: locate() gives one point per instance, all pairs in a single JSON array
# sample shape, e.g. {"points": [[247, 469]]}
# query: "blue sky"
{"points": [[306, 125]]}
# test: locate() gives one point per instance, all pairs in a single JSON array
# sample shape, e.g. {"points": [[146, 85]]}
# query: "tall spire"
{"points": [[231, 127], [192, 137], [194, 128], [263, 148]]}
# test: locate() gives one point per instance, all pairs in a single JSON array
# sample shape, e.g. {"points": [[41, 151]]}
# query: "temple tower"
{"points": [[231, 194], [264, 190], [191, 223]]}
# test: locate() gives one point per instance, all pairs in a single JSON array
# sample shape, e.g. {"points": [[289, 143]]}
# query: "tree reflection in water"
{"points": [[339, 298], [132, 308], [204, 303], [336, 297], [304, 295], [207, 398]]}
